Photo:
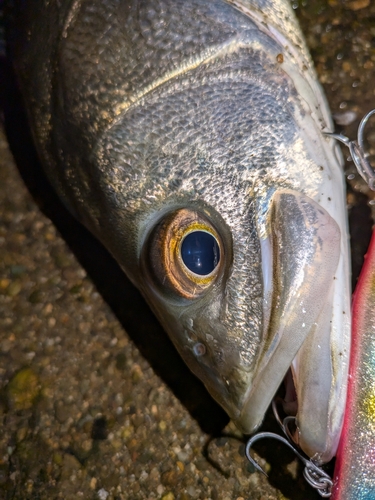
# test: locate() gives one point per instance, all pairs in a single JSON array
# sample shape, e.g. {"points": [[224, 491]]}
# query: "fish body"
{"points": [[354, 476], [177, 130]]}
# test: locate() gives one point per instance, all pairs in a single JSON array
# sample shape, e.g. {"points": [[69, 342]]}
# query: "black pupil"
{"points": [[200, 252]]}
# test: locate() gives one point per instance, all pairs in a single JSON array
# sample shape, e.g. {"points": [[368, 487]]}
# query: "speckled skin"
{"points": [[141, 108], [355, 466]]}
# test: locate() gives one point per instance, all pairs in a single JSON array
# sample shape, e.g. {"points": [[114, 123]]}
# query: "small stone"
{"points": [[14, 288], [76, 289], [5, 346], [62, 412], [49, 236], [29, 486], [70, 466], [358, 4], [17, 270], [168, 496], [48, 309], [345, 118], [102, 494], [183, 456], [117, 444], [111, 480], [191, 491], [160, 489], [136, 487], [346, 66], [254, 479], [23, 389], [128, 432], [57, 458], [137, 374], [51, 322], [368, 65], [62, 260], [169, 478], [4, 283], [21, 434], [143, 476], [93, 483], [87, 445], [292, 468]]}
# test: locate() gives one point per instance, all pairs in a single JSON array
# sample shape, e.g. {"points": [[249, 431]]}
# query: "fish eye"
{"points": [[200, 252], [185, 254]]}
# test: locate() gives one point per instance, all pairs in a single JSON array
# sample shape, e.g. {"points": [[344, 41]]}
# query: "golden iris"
{"points": [[185, 254]]}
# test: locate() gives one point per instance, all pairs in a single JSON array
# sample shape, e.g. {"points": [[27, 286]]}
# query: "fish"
{"points": [[190, 138], [354, 475]]}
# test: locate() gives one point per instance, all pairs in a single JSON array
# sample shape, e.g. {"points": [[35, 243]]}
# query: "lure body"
{"points": [[155, 120], [355, 465]]}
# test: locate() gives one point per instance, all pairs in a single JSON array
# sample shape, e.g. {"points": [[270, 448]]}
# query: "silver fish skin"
{"points": [[154, 119]]}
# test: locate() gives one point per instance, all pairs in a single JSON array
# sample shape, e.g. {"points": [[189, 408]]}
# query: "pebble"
{"points": [[168, 496], [21, 434], [70, 466], [358, 4], [14, 288], [345, 118], [23, 389], [102, 494]]}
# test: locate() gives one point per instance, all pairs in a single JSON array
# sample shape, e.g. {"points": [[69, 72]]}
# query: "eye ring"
{"points": [[164, 255]]}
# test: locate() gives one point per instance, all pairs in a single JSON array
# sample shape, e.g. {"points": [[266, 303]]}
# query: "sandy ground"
{"points": [[94, 400]]}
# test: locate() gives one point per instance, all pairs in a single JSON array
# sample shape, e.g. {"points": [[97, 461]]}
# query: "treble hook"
{"points": [[357, 152], [284, 424], [314, 475]]}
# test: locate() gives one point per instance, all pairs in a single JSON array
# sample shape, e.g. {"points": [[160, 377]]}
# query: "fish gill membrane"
{"points": [[159, 120]]}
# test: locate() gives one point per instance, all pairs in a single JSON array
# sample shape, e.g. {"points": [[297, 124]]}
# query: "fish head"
{"points": [[235, 259]]}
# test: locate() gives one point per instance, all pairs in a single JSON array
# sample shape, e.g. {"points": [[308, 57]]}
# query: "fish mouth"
{"points": [[300, 246]]}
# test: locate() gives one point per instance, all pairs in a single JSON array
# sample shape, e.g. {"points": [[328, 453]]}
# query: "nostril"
{"points": [[199, 349]]}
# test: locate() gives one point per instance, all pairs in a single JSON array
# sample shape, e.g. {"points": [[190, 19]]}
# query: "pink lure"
{"points": [[354, 477]]}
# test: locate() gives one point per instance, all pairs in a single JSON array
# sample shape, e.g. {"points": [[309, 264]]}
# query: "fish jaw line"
{"points": [[320, 376], [301, 281]]}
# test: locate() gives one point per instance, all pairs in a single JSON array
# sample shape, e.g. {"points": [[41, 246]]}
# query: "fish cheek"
{"points": [[209, 351]]}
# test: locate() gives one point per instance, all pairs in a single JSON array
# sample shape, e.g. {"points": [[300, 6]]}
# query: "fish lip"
{"points": [[295, 221]]}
